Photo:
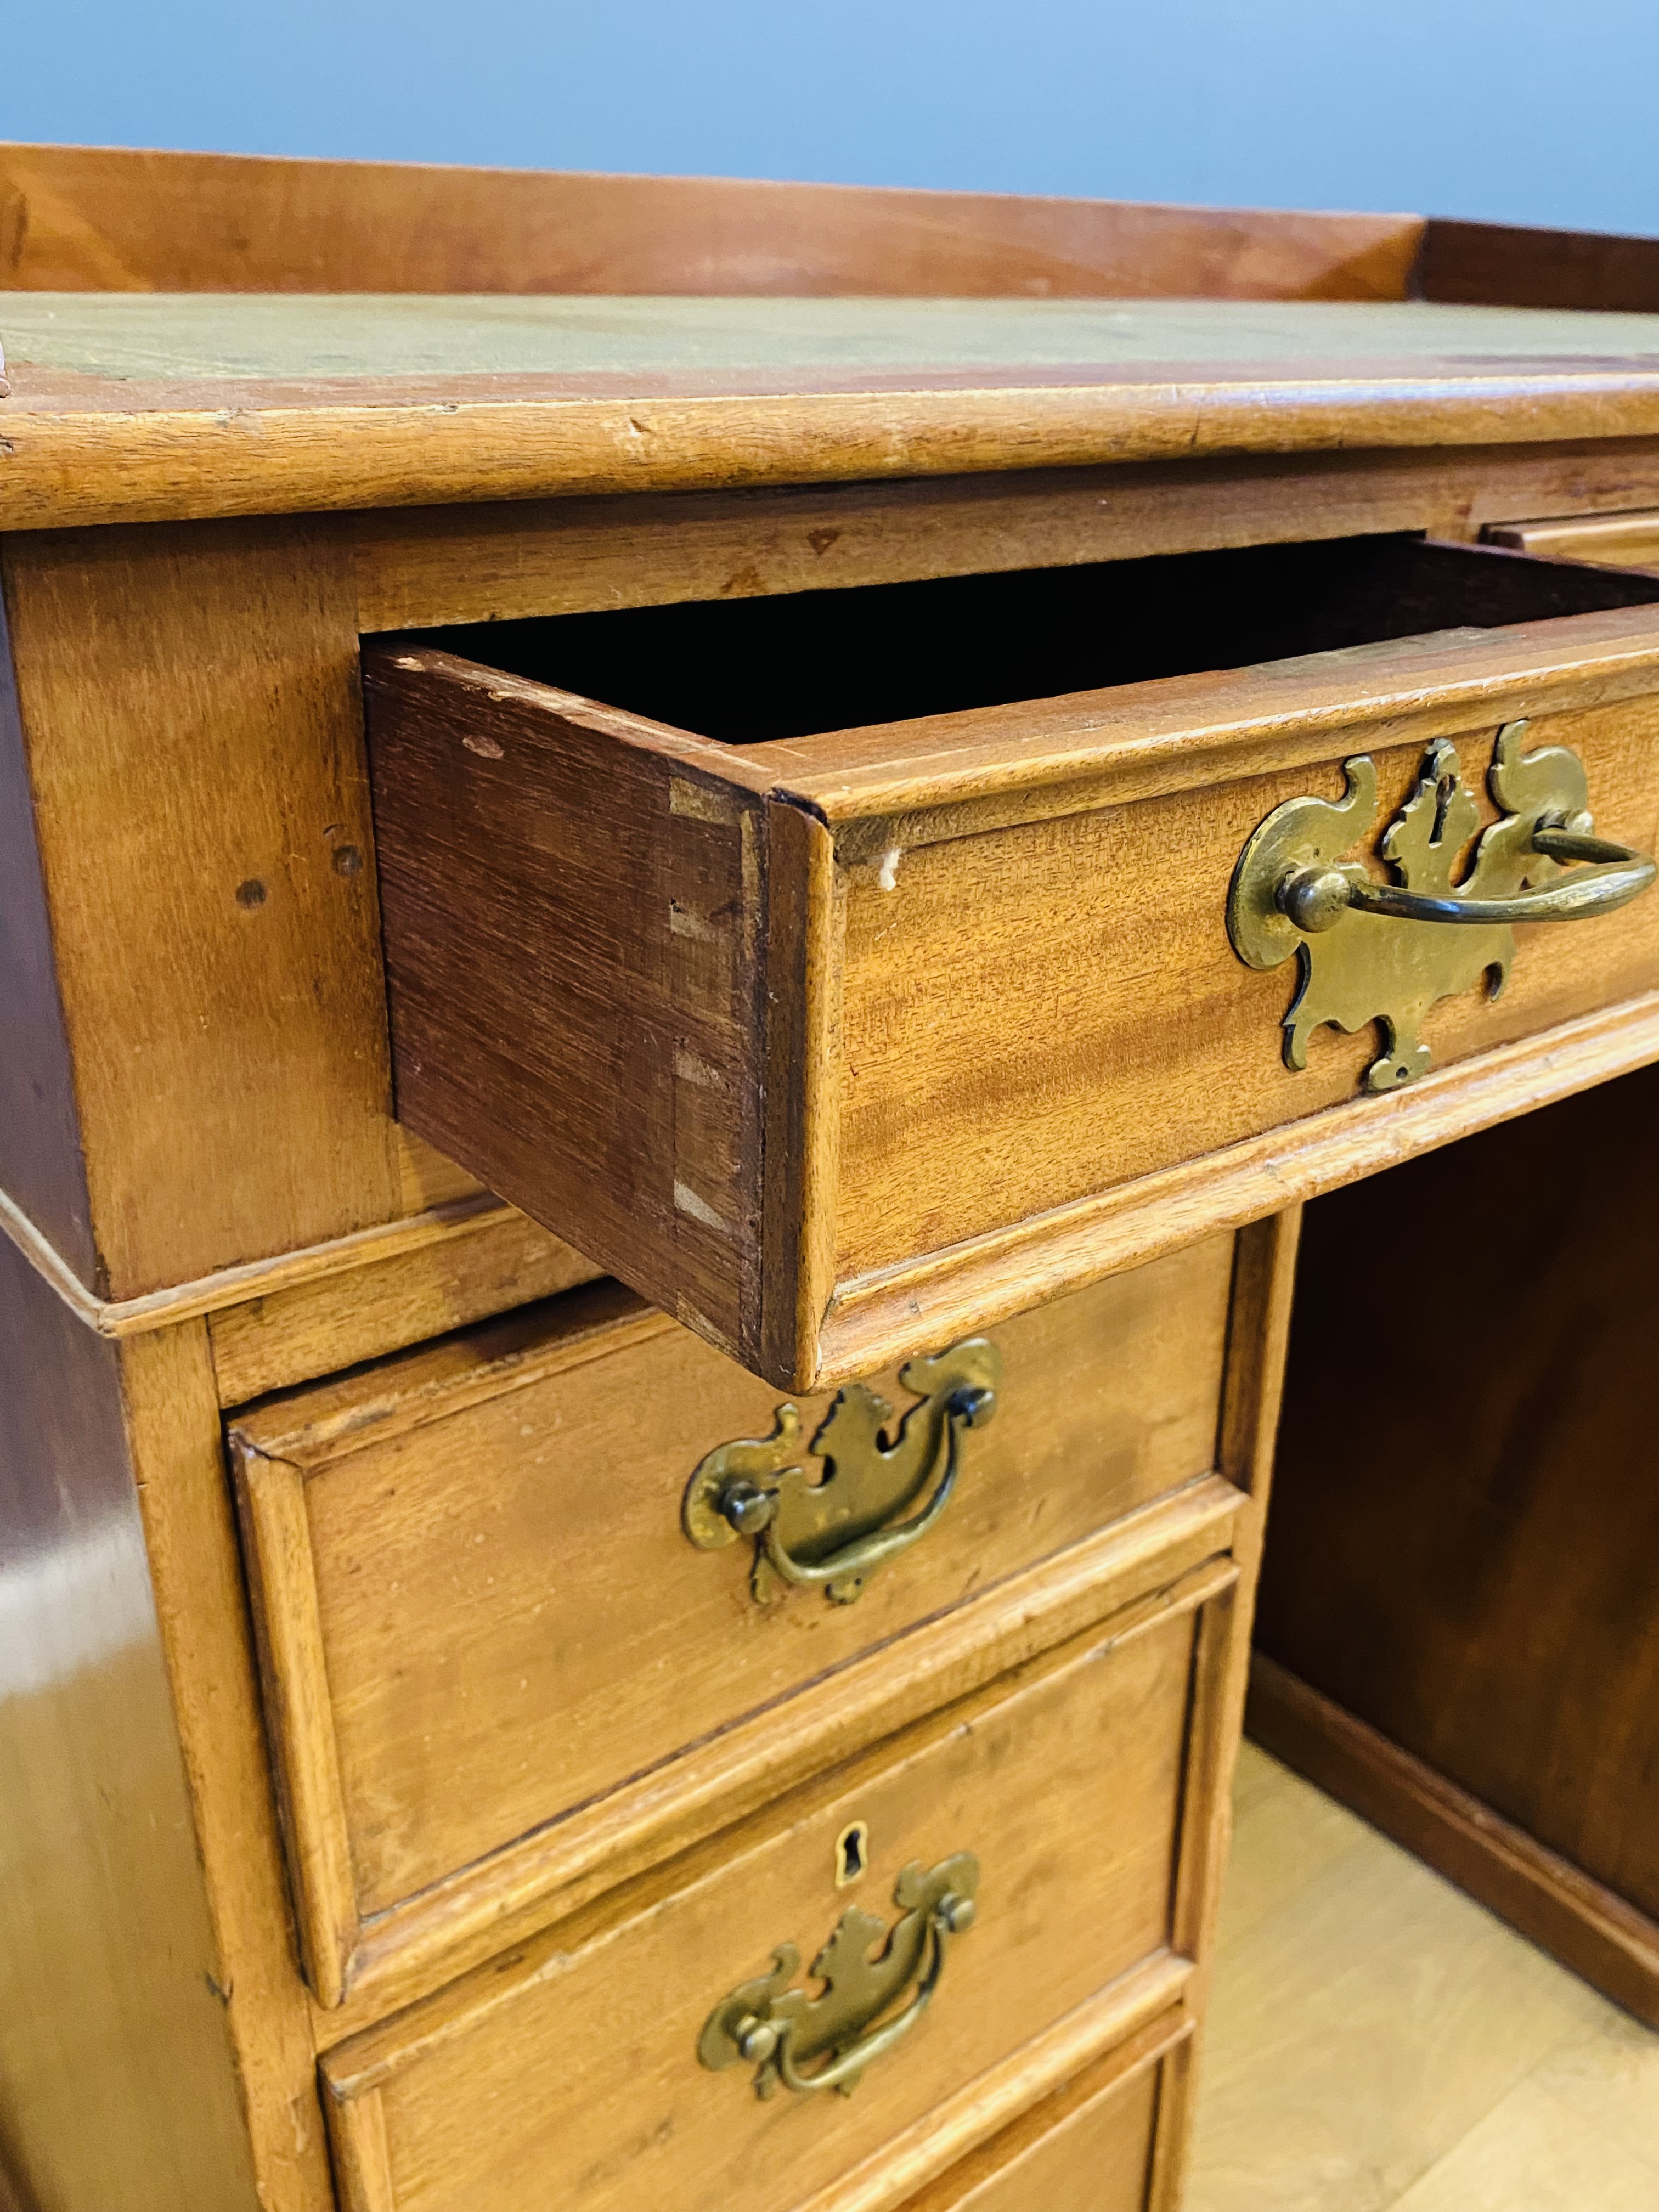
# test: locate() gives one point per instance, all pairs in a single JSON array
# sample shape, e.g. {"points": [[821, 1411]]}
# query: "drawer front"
{"points": [[879, 1035], [1112, 2140], [1171, 1049], [480, 1609], [570, 2072], [1098, 2158]]}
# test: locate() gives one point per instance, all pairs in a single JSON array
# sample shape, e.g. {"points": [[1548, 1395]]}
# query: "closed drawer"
{"points": [[1099, 2162], [594, 2068], [837, 1042], [498, 1670], [1098, 2145]]}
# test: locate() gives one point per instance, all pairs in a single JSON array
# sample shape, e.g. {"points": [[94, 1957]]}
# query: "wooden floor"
{"points": [[1380, 2043]]}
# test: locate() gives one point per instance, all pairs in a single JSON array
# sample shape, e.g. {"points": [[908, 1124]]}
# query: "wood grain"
{"points": [[1090, 838], [420, 567], [292, 1665], [426, 1179], [410, 1951], [117, 2076], [487, 1652], [1086, 2148], [1115, 2019], [195, 1575], [1172, 2131], [1553, 1903], [1514, 265], [477, 1263], [1094, 2162], [206, 849], [612, 1074], [1094, 1024], [1259, 1324], [41, 1166], [1070, 1806], [943, 776], [103, 218], [977, 1284], [194, 454], [1367, 2022], [1510, 1646], [805, 936], [1581, 2123], [909, 671], [1569, 482]]}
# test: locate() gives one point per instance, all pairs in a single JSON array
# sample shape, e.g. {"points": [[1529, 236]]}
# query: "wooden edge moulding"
{"points": [[357, 2070], [172, 1400], [554, 1871], [326, 1306], [1139, 2020], [71, 470], [94, 450], [1161, 2050]]}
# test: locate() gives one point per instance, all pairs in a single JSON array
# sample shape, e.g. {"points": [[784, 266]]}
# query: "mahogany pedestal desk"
{"points": [[694, 877]]}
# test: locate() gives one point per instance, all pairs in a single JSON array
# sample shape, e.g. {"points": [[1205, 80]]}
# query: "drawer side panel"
{"points": [[570, 919]]}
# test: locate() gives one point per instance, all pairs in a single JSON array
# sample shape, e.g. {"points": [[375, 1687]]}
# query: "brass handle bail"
{"points": [[782, 2031], [834, 1535], [1316, 898]]}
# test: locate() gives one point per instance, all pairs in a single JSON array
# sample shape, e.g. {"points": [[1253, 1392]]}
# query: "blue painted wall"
{"points": [[1528, 111]]}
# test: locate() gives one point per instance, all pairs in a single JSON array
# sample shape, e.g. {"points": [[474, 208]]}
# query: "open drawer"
{"points": [[841, 988]]}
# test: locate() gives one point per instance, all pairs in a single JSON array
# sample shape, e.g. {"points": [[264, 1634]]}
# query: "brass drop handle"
{"points": [[753, 1511], [763, 2039], [1316, 898], [781, 2030], [1294, 896], [836, 1534]]}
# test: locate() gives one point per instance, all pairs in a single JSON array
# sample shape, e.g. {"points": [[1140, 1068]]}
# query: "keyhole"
{"points": [[852, 1853]]}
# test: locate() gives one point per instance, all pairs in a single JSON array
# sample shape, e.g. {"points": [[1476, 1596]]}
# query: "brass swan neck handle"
{"points": [[834, 1535], [1302, 889], [952, 1916], [753, 1511], [781, 2030]]}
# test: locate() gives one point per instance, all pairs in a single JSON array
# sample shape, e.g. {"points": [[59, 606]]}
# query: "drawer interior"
{"points": [[745, 671]]}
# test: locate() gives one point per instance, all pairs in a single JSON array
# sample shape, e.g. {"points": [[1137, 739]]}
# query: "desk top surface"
{"points": [[740, 345], [133, 405]]}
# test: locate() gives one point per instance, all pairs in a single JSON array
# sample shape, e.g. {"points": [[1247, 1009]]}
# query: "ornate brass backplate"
{"points": [[834, 1533], [864, 1968], [1371, 951]]}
